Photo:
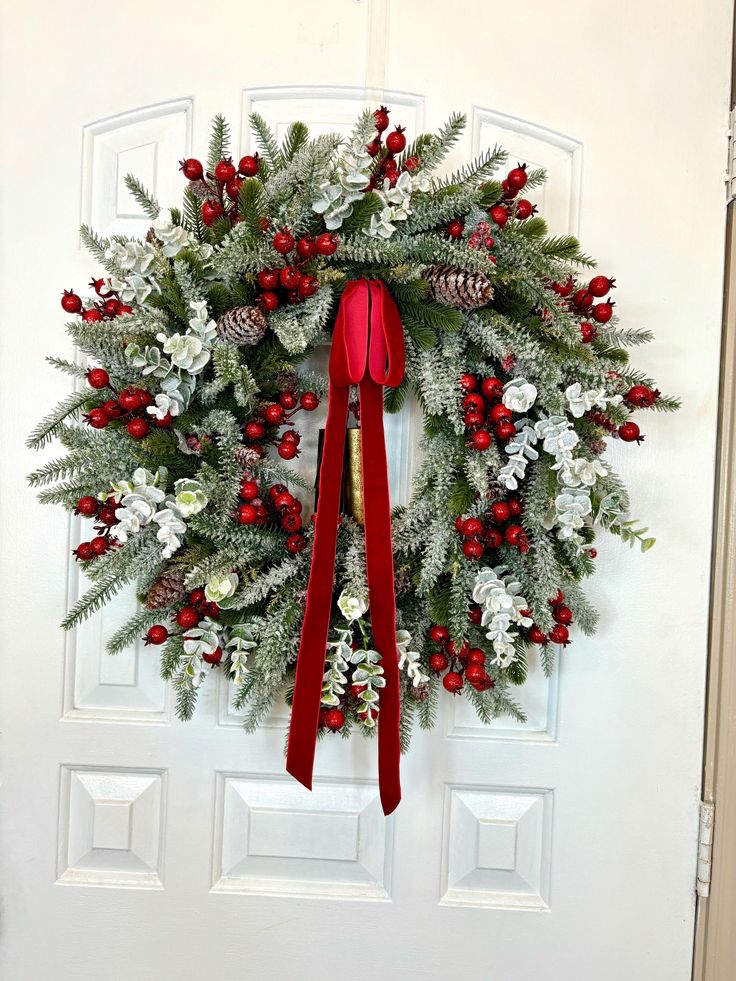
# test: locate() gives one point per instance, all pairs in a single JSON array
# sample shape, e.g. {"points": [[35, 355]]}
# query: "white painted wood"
{"points": [[146, 849]]}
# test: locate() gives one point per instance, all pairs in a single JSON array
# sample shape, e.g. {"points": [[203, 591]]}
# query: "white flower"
{"points": [[519, 395], [143, 483], [581, 402], [164, 405], [135, 512], [174, 237], [220, 588], [171, 531], [352, 607], [187, 351], [190, 498]]}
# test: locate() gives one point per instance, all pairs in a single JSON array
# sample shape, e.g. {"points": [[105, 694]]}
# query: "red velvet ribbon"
{"points": [[368, 351]]}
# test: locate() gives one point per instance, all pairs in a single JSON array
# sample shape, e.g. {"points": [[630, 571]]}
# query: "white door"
{"points": [[136, 848]]}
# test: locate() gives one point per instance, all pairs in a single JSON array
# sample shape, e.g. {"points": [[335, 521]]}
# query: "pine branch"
{"points": [[146, 202], [219, 142], [69, 407], [266, 140]]}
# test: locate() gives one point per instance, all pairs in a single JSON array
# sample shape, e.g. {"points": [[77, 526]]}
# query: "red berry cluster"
{"points": [[509, 207], [107, 307], [387, 168], [271, 505], [462, 664], [128, 408], [222, 187], [196, 608], [293, 283], [582, 300], [497, 527], [559, 634], [485, 413], [104, 514], [272, 416]]}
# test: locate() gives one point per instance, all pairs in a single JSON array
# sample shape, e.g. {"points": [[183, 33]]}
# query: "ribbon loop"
{"points": [[368, 351]]}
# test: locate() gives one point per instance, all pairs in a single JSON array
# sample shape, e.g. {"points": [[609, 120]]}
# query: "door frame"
{"points": [[715, 939]]}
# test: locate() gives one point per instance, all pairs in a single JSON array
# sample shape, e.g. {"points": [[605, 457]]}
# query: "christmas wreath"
{"points": [[445, 289]]}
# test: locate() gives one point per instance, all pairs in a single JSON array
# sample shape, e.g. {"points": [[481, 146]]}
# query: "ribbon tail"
{"points": [[382, 600], [310, 665]]}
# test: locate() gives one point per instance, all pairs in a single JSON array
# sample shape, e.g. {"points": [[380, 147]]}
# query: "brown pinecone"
{"points": [[418, 694], [242, 325], [457, 287], [245, 456], [202, 190], [287, 381], [167, 590]]}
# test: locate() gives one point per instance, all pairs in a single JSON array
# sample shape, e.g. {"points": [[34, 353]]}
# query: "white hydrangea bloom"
{"points": [[519, 395], [174, 237], [134, 513], [352, 607], [187, 351], [220, 588], [409, 660]]}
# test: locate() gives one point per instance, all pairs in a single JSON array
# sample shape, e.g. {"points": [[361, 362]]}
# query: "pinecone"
{"points": [[418, 694], [245, 456], [202, 190], [151, 237], [287, 381], [165, 591], [457, 287], [242, 325]]}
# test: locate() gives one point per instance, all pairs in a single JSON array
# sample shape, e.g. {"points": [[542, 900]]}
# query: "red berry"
{"points": [[472, 527], [233, 188], [455, 228], [564, 289], [588, 332], [268, 279], [476, 656], [137, 428], [225, 171], [517, 177], [99, 545], [83, 552], [309, 401], [558, 599], [283, 241], [493, 538], [197, 597], [468, 382], [213, 657], [249, 165], [593, 553], [291, 436], [583, 300], [536, 635], [439, 634], [290, 277], [296, 543], [112, 408], [158, 634], [276, 490], [192, 169], [474, 673], [501, 511], [87, 506], [381, 118], [453, 682], [247, 514], [492, 388], [70, 302], [563, 615], [327, 243], [499, 411], [98, 378], [515, 535], [475, 615], [249, 490], [283, 500], [287, 400], [396, 141], [254, 430], [438, 662], [505, 430], [273, 414], [97, 418], [472, 548], [411, 163], [602, 312], [287, 450], [600, 285], [499, 214], [268, 301], [308, 286], [461, 652], [474, 420], [480, 440], [292, 522], [474, 402], [559, 634], [630, 433], [306, 247], [187, 618], [91, 316], [641, 396], [334, 719], [211, 211], [524, 209]]}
